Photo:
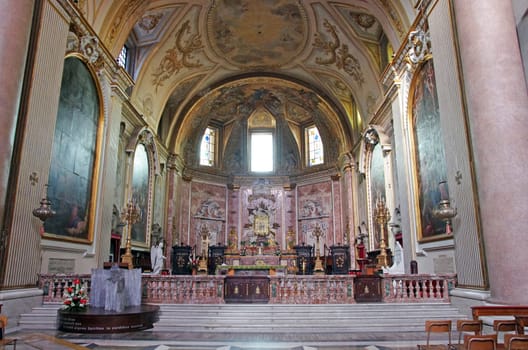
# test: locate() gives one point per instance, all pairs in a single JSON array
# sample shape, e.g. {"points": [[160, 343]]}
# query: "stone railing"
{"points": [[293, 289], [53, 286], [290, 289], [200, 289], [417, 288]]}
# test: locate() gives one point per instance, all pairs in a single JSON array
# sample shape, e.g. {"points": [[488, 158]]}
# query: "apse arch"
{"points": [[231, 100]]}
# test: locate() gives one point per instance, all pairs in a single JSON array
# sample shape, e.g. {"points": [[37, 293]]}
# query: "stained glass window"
{"points": [[208, 147], [315, 146], [122, 58]]}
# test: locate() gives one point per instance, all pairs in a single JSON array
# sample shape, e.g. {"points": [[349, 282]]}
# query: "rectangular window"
{"points": [[261, 151], [315, 146], [208, 147]]}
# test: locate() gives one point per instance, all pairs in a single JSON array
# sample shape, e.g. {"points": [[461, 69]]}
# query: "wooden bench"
{"points": [[515, 312]]}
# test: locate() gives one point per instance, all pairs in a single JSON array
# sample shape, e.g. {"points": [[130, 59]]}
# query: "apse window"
{"points": [[261, 152], [208, 147], [122, 58], [315, 146]]}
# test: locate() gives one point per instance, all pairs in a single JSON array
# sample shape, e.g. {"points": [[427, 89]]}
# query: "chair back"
{"points": [[504, 325], [515, 342], [438, 326], [481, 342], [465, 326]]}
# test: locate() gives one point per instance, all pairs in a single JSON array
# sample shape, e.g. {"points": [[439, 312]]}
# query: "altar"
{"points": [[260, 260], [251, 270]]}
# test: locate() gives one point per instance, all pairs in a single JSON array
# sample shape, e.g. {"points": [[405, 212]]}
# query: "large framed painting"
{"points": [[75, 150], [429, 153], [140, 194]]}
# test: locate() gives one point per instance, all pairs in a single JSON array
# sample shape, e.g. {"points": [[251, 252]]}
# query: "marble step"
{"points": [[302, 318], [277, 318]]}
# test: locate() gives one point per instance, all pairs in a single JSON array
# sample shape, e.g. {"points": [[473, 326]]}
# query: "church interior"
{"points": [[272, 152]]}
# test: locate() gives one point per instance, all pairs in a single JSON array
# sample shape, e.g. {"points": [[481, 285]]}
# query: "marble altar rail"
{"points": [[289, 289], [417, 288]]}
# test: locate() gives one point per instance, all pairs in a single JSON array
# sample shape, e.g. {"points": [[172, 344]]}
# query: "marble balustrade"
{"points": [[287, 289]]}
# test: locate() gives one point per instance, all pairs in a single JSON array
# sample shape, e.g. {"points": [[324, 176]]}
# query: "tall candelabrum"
{"points": [[130, 215], [44, 212], [382, 218], [444, 211], [317, 233]]}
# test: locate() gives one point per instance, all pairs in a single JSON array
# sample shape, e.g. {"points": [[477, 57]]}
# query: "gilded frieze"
{"points": [[127, 9], [337, 53], [179, 56]]}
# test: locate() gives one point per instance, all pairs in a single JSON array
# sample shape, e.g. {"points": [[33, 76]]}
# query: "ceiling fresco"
{"points": [[189, 55], [260, 33]]}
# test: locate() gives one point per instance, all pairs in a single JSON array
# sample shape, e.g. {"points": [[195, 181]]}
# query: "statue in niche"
{"points": [[232, 240], [234, 162], [290, 161], [291, 238]]}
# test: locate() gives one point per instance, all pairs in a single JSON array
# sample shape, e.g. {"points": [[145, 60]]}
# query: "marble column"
{"points": [[497, 105], [15, 30]]}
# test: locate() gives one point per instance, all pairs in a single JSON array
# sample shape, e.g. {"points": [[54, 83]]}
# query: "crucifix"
{"points": [[202, 266]]}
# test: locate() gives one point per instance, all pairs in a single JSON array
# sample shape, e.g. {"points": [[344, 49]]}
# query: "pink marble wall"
{"points": [[337, 213], [315, 207], [221, 209], [208, 209], [184, 213], [233, 214]]}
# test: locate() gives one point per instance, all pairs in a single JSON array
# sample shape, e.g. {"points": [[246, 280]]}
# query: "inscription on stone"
{"points": [[444, 264], [65, 266]]}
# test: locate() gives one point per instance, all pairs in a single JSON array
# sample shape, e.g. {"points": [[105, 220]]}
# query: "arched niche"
{"points": [[143, 169]]}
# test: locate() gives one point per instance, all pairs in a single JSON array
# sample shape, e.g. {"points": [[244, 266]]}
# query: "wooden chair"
{"points": [[466, 326], [522, 322], [480, 342], [515, 342], [437, 326], [5, 341], [502, 327]]}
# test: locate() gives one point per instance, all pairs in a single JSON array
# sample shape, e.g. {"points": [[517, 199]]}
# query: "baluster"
{"points": [[427, 292]]}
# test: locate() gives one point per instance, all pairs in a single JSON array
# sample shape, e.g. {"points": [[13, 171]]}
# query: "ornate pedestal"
{"points": [[98, 320], [304, 259], [367, 288], [216, 258], [340, 259], [246, 289], [180, 260]]}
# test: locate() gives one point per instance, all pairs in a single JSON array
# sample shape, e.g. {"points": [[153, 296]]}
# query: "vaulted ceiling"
{"points": [[305, 61]]}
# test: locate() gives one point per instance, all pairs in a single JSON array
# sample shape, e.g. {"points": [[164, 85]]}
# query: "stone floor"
{"points": [[162, 341]]}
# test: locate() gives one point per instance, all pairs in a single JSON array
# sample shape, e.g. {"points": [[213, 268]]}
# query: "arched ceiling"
{"points": [[187, 54]]}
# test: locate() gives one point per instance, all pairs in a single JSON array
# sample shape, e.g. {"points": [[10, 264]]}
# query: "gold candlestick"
{"points": [[382, 217], [130, 216]]}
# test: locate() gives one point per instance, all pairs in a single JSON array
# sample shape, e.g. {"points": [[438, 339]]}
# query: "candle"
{"points": [[442, 187]]}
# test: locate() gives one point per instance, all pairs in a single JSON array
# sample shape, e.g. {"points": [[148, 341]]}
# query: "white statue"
{"points": [[157, 258], [397, 267]]}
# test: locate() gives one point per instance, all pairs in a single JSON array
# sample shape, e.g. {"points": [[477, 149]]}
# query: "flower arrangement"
{"points": [[194, 261], [75, 296]]}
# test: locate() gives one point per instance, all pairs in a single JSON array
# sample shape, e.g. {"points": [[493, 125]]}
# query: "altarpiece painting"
{"points": [[430, 161], [140, 194], [71, 175]]}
